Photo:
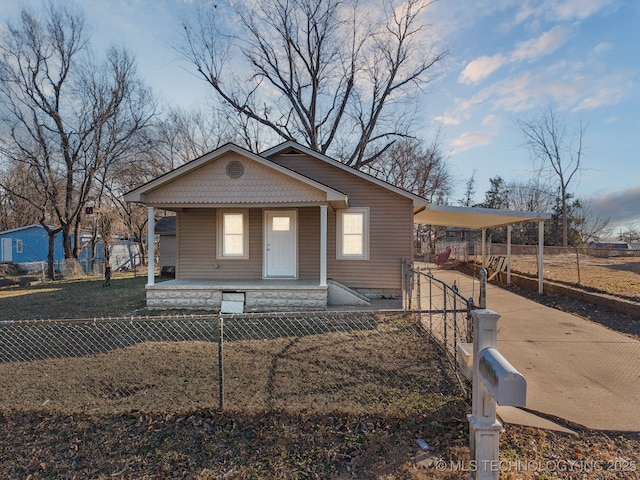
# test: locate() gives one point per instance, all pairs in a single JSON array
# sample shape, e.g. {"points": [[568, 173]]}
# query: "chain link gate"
{"points": [[443, 313]]}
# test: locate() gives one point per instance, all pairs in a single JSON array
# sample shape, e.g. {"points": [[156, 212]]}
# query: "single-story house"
{"points": [[292, 229], [287, 229], [28, 244]]}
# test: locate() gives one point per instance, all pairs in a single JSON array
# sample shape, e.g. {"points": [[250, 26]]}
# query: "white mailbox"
{"points": [[503, 382]]}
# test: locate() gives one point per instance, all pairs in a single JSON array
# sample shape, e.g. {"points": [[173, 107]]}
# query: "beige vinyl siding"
{"points": [[197, 254], [197, 248], [390, 225], [211, 185], [309, 243]]}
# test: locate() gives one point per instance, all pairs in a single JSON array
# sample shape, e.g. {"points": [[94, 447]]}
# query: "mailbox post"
{"points": [[494, 380]]}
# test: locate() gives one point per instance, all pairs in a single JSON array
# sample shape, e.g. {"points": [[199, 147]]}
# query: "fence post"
{"points": [[410, 274], [221, 358], [455, 330], [483, 288], [444, 314], [403, 277], [470, 306], [430, 303], [418, 292]]}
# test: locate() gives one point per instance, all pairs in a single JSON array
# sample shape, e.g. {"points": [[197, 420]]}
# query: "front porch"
{"points": [[270, 295]]}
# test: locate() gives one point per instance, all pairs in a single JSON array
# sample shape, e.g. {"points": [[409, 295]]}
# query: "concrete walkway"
{"points": [[576, 369]]}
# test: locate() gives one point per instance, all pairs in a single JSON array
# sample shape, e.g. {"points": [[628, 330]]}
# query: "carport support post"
{"points": [[151, 246], [484, 248], [540, 256], [484, 429], [509, 228]]}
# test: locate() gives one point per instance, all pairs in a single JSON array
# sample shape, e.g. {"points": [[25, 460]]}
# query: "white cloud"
{"points": [[470, 140], [604, 94], [491, 121], [481, 68], [571, 85], [545, 44], [555, 10], [602, 48], [447, 120], [577, 9]]}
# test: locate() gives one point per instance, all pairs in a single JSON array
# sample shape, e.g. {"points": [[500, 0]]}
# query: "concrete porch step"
{"points": [[339, 294]]}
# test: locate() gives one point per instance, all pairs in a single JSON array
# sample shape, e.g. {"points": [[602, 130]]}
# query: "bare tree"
{"points": [[107, 225], [533, 195], [631, 234], [559, 154], [589, 226], [17, 210], [183, 135], [326, 73], [415, 167], [67, 116]]}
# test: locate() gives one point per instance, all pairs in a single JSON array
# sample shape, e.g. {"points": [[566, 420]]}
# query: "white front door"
{"points": [[281, 241], [7, 251]]}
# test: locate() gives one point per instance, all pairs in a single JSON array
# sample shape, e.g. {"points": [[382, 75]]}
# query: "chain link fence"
{"points": [[442, 312], [323, 361]]}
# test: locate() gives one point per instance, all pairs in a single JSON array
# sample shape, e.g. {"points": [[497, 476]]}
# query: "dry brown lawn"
{"points": [[333, 405], [618, 276]]}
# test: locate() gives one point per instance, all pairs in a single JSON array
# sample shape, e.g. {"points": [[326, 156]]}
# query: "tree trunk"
{"points": [[50, 254]]}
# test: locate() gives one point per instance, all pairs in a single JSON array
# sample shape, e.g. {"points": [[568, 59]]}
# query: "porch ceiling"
{"points": [[472, 217]]}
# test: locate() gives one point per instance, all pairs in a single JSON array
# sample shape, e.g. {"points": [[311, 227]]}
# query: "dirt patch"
{"points": [[619, 276]]}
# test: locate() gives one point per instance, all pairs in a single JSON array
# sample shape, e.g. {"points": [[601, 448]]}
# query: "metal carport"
{"points": [[482, 219]]}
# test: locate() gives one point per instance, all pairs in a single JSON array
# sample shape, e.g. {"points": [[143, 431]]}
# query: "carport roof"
{"points": [[473, 217]]}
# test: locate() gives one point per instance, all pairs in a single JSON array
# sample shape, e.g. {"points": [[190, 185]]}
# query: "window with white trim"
{"points": [[233, 234], [19, 246], [352, 239]]}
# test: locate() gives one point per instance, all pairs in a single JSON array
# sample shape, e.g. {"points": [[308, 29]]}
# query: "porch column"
{"points": [[323, 245], [509, 227], [151, 246], [540, 256]]}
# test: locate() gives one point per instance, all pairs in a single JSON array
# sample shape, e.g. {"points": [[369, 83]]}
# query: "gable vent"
{"points": [[235, 169]]}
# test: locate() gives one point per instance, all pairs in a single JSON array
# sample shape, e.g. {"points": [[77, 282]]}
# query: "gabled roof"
{"points": [[137, 194], [26, 227], [425, 212], [289, 145]]}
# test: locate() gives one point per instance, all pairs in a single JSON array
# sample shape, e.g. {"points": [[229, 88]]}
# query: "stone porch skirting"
{"points": [[259, 295]]}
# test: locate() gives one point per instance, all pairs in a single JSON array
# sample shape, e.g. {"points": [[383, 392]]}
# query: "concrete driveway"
{"points": [[576, 369]]}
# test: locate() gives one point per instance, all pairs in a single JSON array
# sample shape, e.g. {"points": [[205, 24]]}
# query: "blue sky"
{"points": [[508, 58]]}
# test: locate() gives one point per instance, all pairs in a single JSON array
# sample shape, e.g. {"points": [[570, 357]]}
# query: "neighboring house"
{"points": [[124, 254], [609, 245], [269, 232], [166, 232], [28, 244]]}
